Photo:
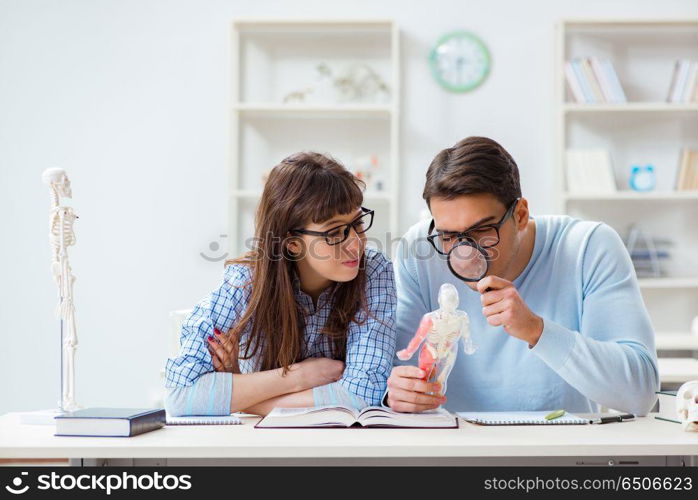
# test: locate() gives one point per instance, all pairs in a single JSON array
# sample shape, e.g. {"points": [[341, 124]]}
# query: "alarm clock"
{"points": [[459, 61], [642, 178]]}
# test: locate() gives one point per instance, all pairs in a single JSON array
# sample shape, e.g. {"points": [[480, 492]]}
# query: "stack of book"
{"points": [[684, 82], [687, 178], [589, 171], [593, 80]]}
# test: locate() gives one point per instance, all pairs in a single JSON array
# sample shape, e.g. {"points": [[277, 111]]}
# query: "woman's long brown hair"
{"points": [[303, 188]]}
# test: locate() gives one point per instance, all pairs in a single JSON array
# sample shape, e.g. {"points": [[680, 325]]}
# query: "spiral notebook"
{"points": [[204, 420], [520, 418]]}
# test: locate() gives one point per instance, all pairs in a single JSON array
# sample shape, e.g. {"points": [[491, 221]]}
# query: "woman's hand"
{"points": [[224, 349], [313, 372]]}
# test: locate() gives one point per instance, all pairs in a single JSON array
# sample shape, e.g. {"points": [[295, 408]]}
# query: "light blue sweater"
{"points": [[597, 345]]}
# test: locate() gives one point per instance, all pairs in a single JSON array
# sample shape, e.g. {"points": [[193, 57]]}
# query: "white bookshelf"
{"points": [[645, 130], [271, 58]]}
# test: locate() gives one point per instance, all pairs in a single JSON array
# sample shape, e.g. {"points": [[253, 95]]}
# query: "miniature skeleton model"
{"points": [[687, 405], [440, 331], [61, 237]]}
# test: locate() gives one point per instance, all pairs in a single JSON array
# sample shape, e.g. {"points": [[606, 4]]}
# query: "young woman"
{"points": [[305, 318]]}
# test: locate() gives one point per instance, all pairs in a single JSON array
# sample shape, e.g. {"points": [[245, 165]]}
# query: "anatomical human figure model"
{"points": [[61, 237], [440, 331]]}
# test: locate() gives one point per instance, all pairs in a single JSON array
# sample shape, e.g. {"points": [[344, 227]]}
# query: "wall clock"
{"points": [[460, 61]]}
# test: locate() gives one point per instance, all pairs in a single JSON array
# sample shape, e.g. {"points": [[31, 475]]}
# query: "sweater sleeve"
{"points": [[194, 387], [210, 394], [612, 358]]}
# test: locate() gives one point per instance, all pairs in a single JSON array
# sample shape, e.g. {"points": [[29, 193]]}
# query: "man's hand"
{"points": [[224, 349], [407, 388], [503, 306]]}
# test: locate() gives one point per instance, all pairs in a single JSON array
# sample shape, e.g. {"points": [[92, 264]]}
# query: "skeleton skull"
{"points": [[687, 405], [58, 179]]}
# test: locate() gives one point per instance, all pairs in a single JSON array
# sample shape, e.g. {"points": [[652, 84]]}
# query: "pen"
{"points": [[613, 418]]}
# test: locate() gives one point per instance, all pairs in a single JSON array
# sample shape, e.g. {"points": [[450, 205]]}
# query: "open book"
{"points": [[340, 416]]}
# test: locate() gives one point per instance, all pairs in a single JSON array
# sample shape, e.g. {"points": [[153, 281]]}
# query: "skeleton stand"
{"points": [[61, 237]]}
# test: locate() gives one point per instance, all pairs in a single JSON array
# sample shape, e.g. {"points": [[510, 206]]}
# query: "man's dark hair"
{"points": [[474, 165]]}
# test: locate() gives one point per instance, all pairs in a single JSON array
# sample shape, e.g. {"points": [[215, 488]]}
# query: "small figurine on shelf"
{"points": [[440, 331], [297, 95], [366, 168], [642, 178]]}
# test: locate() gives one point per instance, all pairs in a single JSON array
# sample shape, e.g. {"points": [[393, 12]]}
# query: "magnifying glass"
{"points": [[468, 261]]}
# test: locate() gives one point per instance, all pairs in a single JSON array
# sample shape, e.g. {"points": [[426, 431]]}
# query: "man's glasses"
{"points": [[339, 234], [485, 236]]}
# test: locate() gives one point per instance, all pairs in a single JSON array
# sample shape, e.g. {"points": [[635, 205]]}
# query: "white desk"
{"points": [[645, 440]]}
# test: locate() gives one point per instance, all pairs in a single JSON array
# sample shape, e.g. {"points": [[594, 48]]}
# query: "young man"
{"points": [[558, 317]]}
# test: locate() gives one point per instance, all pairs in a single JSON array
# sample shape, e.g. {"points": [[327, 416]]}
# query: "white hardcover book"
{"points": [[593, 81], [681, 77], [583, 83], [602, 78], [601, 170], [573, 83], [690, 82], [616, 88], [589, 171], [674, 77]]}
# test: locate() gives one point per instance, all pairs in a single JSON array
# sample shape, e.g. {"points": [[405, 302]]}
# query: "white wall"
{"points": [[129, 97]]}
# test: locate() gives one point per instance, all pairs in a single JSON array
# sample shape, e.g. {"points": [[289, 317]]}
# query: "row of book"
{"points": [[687, 178], [593, 80], [684, 82]]}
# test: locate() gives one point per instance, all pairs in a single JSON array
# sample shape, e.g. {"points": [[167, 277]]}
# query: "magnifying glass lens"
{"points": [[467, 262]]}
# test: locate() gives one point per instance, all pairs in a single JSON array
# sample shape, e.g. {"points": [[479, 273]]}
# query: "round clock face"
{"points": [[460, 61]]}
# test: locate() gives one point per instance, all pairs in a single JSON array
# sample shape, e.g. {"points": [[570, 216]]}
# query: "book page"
{"points": [[379, 416], [323, 416]]}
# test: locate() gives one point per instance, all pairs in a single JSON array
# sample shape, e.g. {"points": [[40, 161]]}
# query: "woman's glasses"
{"points": [[339, 234]]}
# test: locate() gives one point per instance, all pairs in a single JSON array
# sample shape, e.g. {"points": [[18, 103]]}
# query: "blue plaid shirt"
{"points": [[370, 346]]}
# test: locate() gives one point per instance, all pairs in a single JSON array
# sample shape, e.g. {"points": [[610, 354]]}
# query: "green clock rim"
{"points": [[481, 45]]}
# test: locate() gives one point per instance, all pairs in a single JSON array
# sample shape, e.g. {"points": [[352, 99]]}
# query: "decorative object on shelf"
{"points": [[589, 171], [358, 82], [361, 83], [297, 95], [61, 236], [366, 168], [687, 405], [687, 178], [684, 82], [694, 326], [646, 253], [642, 178], [460, 61], [593, 80]]}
